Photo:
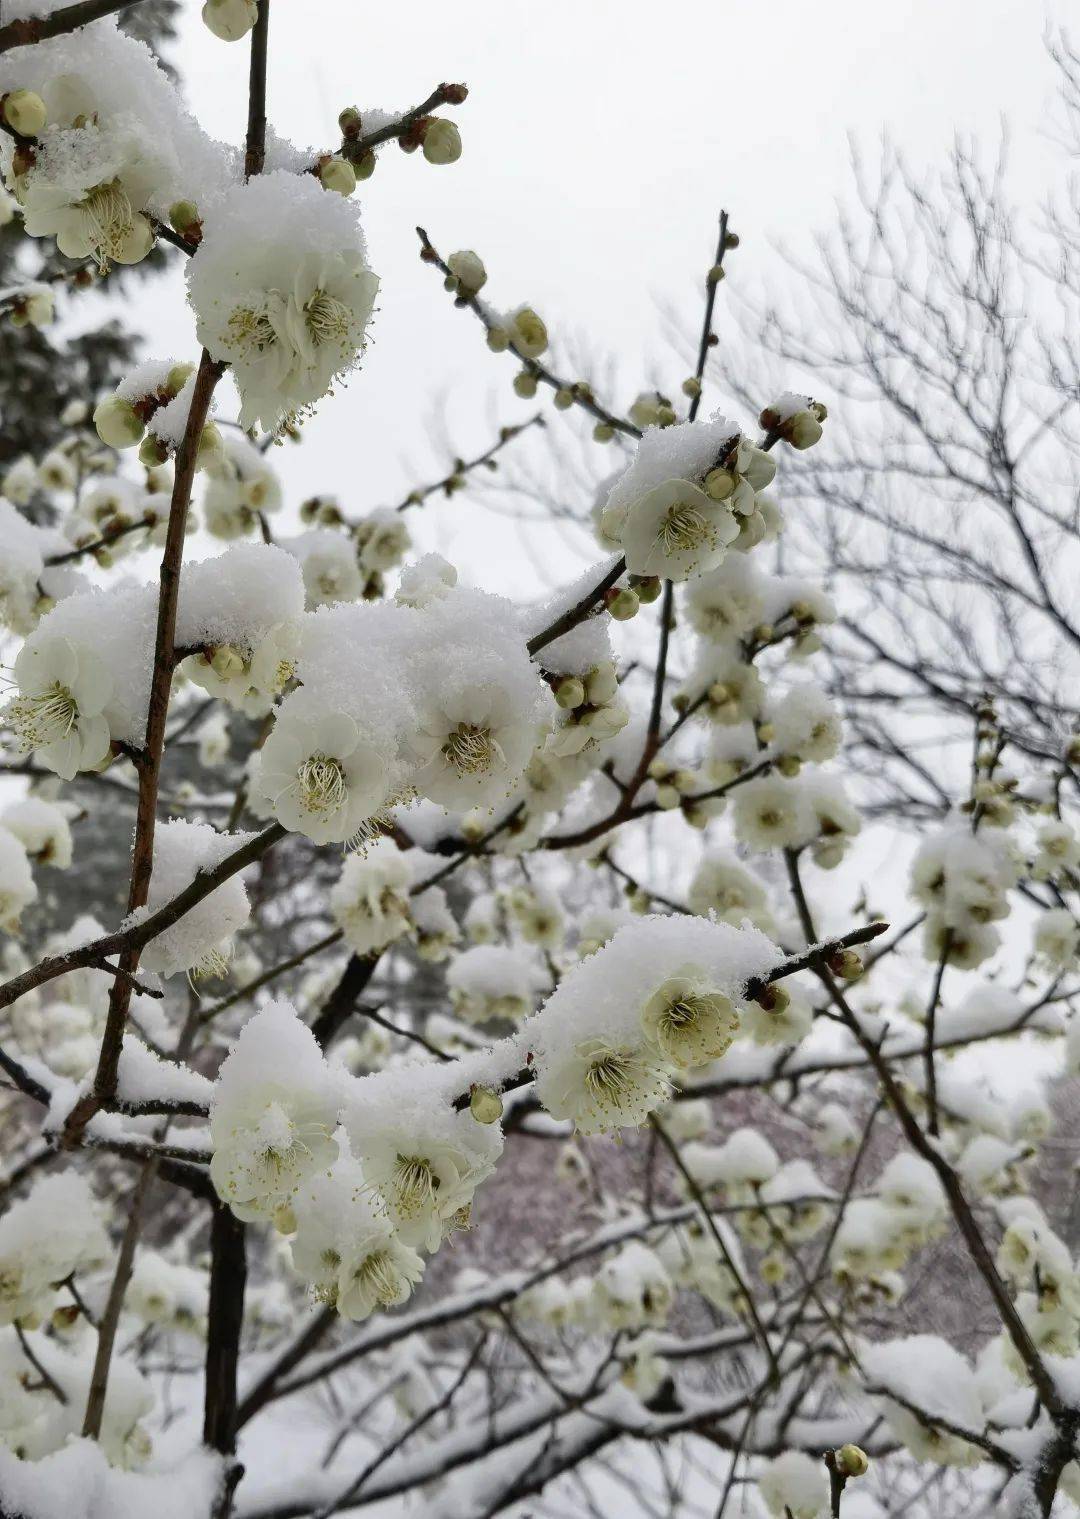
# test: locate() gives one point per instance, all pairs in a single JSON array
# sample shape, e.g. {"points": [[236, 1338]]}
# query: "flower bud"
{"points": [[211, 447], [525, 384], [789, 765], [603, 432], [24, 111], [564, 399], [719, 484], [350, 123], [117, 423], [226, 661], [364, 167], [498, 339], [847, 965], [485, 1105], [570, 692], [184, 218], [468, 269], [667, 797], [623, 604], [152, 451], [647, 588], [178, 377], [601, 684], [442, 141], [338, 174], [230, 19], [528, 332], [691, 386], [852, 1461], [715, 274]]}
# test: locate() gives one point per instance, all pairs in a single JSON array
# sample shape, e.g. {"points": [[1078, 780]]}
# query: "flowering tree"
{"points": [[405, 811]]}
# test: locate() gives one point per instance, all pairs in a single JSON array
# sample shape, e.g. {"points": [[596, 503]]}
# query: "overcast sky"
{"points": [[601, 139]]}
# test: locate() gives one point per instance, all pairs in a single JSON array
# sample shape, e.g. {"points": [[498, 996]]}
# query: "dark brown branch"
{"points": [[25, 32]]}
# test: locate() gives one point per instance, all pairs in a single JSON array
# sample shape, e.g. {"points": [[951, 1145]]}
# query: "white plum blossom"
{"points": [[58, 714], [370, 901], [43, 830], [282, 291], [273, 1115]]}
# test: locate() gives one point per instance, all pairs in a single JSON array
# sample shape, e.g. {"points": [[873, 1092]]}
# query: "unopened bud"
{"points": [[623, 604], [152, 451], [226, 661], [364, 167], [350, 123], [846, 964], [184, 218], [211, 446], [230, 19], [647, 586], [498, 339], [603, 432], [117, 423], [852, 1461], [667, 797], [719, 484], [564, 399], [485, 1105], [177, 378], [24, 111], [691, 386], [338, 174], [570, 692], [525, 384], [442, 141], [468, 269]]}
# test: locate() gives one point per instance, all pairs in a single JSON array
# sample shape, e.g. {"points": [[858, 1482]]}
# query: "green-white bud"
{"points": [[230, 19], [338, 174], [564, 399], [152, 451], [603, 432], [184, 218], [178, 377], [852, 1461], [117, 423], [350, 123], [364, 167], [624, 604], [442, 141], [485, 1105], [211, 447], [226, 661], [24, 111], [498, 339], [719, 484], [468, 269], [570, 692], [525, 384]]}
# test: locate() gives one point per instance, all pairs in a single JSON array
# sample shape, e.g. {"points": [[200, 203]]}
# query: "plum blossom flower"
{"points": [[58, 713]]}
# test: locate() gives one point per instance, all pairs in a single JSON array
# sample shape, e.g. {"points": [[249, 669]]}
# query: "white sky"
{"points": [[601, 138]]}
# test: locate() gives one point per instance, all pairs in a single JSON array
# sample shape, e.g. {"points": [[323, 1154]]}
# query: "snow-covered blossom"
{"points": [[804, 723], [721, 885], [273, 1115], [382, 540], [282, 291], [727, 602], [424, 1159], [345, 1245], [199, 941], [688, 1019], [322, 775], [679, 505], [795, 1486], [42, 829], [772, 813], [17, 886], [370, 900], [663, 991], [633, 1289], [328, 561], [54, 1232], [493, 981], [1057, 938]]}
